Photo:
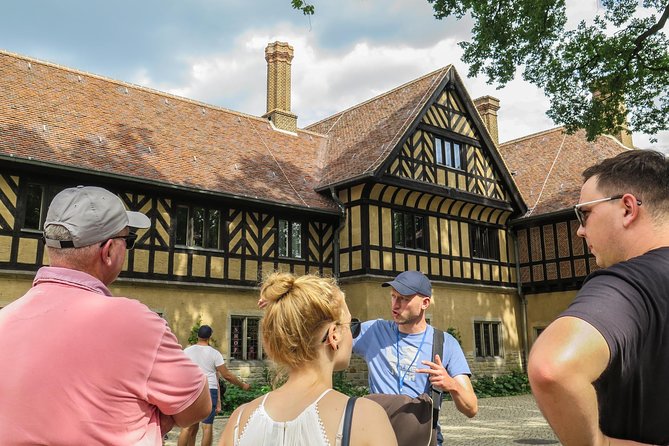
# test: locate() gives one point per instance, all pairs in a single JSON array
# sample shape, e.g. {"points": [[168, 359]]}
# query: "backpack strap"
{"points": [[437, 349], [348, 415]]}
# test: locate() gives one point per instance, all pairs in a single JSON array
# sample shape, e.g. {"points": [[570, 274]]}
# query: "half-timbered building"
{"points": [[411, 179]]}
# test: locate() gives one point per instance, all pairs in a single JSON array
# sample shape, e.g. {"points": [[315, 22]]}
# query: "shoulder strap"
{"points": [[437, 349], [348, 415]]}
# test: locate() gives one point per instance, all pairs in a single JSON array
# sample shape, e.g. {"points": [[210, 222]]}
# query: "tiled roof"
{"points": [[54, 115], [361, 138], [547, 166]]}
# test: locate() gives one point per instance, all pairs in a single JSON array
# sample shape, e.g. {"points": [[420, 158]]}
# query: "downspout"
{"points": [[342, 223], [523, 302]]}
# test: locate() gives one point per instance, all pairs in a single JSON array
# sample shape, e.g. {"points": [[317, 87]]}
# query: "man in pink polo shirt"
{"points": [[79, 366]]}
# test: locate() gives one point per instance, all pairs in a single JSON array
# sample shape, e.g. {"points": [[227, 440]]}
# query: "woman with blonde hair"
{"points": [[307, 331]]}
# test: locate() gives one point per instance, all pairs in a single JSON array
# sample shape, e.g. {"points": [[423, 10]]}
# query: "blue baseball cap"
{"points": [[409, 283]]}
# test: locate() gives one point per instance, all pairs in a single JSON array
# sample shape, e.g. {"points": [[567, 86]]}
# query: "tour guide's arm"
{"points": [[460, 386], [564, 362]]}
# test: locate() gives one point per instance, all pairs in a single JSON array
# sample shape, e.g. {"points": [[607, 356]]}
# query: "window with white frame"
{"points": [[198, 227], [487, 336], [245, 338], [290, 239], [448, 153]]}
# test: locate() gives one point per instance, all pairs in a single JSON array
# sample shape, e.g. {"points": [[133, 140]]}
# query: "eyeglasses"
{"points": [[129, 240], [355, 328], [582, 216]]}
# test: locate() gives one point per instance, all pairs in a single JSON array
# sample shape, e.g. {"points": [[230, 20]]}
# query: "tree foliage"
{"points": [[596, 75]]}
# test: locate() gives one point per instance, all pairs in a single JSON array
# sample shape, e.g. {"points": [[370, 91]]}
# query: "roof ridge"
{"points": [[386, 93], [532, 135]]}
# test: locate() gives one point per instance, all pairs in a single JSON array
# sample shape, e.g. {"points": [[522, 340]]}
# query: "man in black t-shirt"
{"points": [[600, 372]]}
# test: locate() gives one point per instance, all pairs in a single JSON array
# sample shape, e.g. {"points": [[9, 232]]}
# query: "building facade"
{"points": [[411, 179]]}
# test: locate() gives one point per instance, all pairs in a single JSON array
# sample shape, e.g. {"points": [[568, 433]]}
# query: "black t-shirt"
{"points": [[628, 303]]}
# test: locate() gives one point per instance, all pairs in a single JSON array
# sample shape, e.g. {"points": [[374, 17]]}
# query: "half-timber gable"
{"points": [[444, 150]]}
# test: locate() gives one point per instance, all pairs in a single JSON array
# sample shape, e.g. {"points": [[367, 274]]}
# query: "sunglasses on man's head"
{"points": [[355, 328], [129, 240]]}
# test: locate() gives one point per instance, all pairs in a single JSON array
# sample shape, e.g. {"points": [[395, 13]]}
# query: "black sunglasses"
{"points": [[355, 328], [129, 240]]}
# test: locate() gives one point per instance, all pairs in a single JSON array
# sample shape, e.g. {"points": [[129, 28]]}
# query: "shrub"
{"points": [[515, 383]]}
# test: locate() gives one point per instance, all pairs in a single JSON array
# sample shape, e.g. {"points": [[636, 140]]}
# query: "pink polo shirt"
{"points": [[80, 367]]}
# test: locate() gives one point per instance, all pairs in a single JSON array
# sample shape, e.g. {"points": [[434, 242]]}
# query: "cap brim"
{"points": [[400, 288], [138, 220]]}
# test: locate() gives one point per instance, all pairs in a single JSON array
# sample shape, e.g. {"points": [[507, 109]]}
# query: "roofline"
{"points": [[164, 185], [535, 217], [375, 98], [146, 89]]}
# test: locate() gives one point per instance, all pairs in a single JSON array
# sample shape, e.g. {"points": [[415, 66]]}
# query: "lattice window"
{"points": [[198, 227], [409, 231], [290, 239], [484, 242], [487, 336], [245, 338], [448, 153]]}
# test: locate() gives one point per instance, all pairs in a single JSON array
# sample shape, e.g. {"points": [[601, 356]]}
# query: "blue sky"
{"points": [[213, 51]]}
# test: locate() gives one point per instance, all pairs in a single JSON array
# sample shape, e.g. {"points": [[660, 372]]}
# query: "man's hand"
{"points": [[439, 377], [245, 386]]}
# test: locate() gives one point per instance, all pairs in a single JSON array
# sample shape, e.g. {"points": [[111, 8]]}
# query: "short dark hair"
{"points": [[643, 173]]}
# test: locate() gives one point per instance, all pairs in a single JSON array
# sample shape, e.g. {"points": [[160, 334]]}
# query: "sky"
{"points": [[213, 51]]}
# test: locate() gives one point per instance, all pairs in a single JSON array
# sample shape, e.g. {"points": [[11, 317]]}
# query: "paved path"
{"points": [[511, 421]]}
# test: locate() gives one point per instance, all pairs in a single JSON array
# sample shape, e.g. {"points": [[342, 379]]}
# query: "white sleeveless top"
{"points": [[304, 430]]}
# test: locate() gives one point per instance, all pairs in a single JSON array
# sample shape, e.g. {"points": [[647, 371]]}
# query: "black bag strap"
{"points": [[348, 415], [437, 349]]}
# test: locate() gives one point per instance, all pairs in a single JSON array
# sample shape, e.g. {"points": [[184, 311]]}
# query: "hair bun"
{"points": [[276, 286]]}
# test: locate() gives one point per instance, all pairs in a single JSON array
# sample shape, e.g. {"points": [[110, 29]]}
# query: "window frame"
{"points": [[405, 216], [289, 243], [190, 228], [446, 154], [259, 356], [487, 350], [480, 244]]}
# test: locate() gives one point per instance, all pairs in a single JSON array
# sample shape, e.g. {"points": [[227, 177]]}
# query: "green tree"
{"points": [[595, 75]]}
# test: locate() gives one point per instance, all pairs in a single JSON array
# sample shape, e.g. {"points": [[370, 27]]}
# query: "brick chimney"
{"points": [[487, 107], [279, 56]]}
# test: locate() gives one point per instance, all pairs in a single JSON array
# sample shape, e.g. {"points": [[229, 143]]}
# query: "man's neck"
{"points": [[413, 327], [202, 342]]}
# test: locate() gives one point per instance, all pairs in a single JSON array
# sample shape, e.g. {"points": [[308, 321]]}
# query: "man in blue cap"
{"points": [[399, 352]]}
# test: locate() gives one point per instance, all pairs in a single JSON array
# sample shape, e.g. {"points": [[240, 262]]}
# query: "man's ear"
{"points": [[632, 209], [426, 303], [105, 253]]}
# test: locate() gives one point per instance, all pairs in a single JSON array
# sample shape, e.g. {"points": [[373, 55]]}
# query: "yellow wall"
{"points": [[542, 309]]}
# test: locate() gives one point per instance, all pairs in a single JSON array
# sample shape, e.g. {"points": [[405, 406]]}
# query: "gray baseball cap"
{"points": [[91, 215], [409, 283]]}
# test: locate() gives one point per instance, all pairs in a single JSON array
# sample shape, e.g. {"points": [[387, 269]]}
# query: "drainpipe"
{"points": [[342, 222], [523, 302]]}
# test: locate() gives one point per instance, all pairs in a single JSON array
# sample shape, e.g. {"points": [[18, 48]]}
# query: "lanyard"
{"points": [[400, 377]]}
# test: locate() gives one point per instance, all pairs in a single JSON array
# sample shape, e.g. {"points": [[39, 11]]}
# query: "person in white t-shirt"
{"points": [[211, 362]]}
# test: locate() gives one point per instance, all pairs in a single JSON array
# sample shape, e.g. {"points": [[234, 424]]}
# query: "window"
{"points": [[484, 242], [486, 339], [448, 153], [409, 230], [290, 239], [198, 227], [34, 207], [245, 338]]}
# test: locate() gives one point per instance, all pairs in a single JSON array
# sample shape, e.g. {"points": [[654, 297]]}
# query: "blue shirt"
{"points": [[379, 343]]}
